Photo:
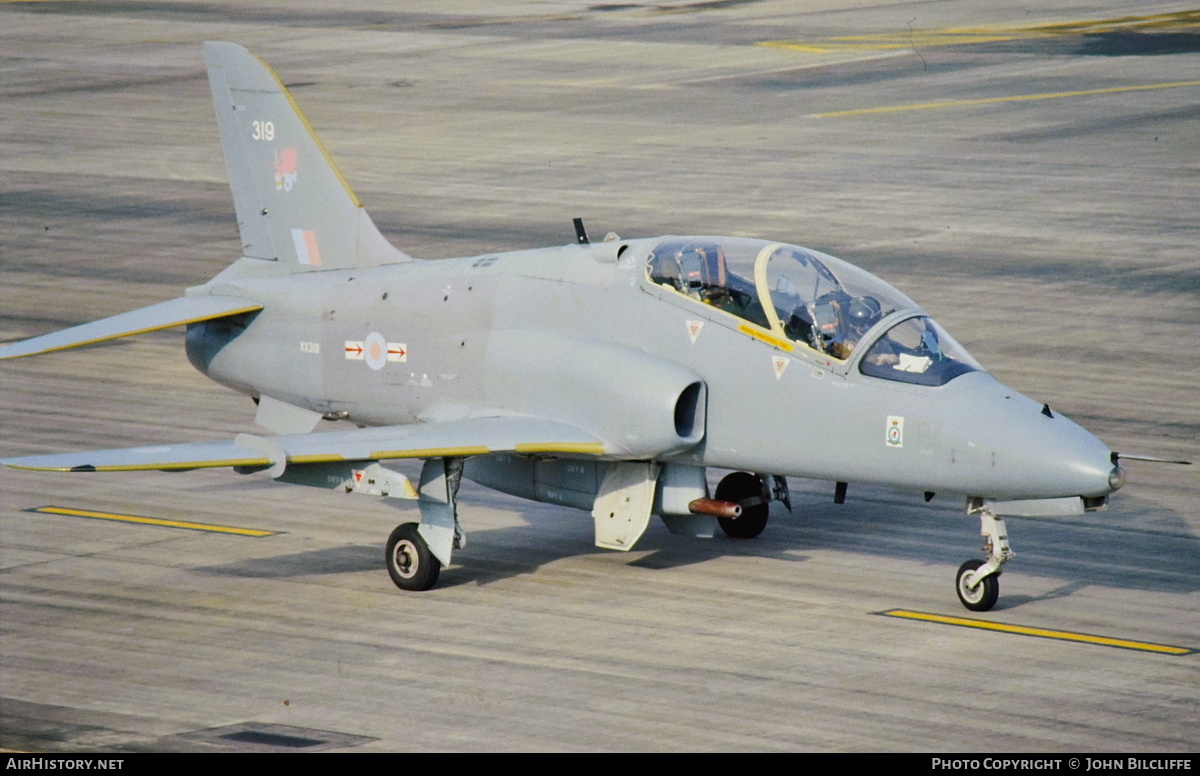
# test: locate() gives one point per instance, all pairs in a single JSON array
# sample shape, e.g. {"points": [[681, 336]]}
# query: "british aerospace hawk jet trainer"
{"points": [[603, 376]]}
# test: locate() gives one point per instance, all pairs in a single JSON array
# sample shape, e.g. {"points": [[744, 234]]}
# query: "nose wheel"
{"points": [[983, 595], [978, 582]]}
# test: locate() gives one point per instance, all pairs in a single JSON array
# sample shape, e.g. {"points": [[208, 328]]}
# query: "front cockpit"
{"points": [[917, 351], [807, 302]]}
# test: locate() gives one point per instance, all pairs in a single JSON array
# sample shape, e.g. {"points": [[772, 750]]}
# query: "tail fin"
{"points": [[293, 205]]}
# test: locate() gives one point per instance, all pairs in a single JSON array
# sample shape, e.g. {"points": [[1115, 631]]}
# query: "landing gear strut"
{"points": [[978, 582]]}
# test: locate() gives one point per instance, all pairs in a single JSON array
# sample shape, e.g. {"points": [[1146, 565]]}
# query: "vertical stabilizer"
{"points": [[293, 205]]}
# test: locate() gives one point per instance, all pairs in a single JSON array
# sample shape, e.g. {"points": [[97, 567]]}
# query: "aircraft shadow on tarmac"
{"points": [[1087, 551]]}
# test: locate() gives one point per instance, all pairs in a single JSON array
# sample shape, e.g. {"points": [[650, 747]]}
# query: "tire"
{"points": [[741, 487], [410, 564], [984, 596]]}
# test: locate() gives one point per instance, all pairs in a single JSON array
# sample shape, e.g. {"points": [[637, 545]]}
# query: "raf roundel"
{"points": [[375, 350]]}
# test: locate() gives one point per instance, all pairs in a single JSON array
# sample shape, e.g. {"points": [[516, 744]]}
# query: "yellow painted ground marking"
{"points": [[152, 521], [1015, 98], [959, 36], [1044, 633]]}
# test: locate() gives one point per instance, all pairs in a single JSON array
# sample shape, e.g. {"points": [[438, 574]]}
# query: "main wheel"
{"points": [[983, 596], [740, 488], [410, 564]]}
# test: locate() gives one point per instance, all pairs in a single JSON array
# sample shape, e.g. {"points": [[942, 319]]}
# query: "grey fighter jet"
{"points": [[603, 376]]}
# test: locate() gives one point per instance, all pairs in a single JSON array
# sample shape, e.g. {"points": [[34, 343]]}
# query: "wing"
{"points": [[459, 438], [177, 312]]}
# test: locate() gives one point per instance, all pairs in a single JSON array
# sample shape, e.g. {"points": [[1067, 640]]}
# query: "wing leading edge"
{"points": [[460, 438], [177, 312]]}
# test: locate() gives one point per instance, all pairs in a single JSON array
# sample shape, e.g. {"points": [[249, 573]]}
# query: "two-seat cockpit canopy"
{"points": [[807, 300]]}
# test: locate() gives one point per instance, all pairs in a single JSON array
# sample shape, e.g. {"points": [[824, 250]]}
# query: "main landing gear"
{"points": [[410, 564], [416, 552], [978, 582], [754, 494]]}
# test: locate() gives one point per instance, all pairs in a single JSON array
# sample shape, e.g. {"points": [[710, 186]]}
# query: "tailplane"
{"points": [[177, 312], [293, 205]]}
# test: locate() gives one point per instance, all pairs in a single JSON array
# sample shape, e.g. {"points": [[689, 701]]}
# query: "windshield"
{"points": [[917, 351]]}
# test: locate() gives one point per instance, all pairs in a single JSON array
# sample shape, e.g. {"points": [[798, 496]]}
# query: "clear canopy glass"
{"points": [[917, 351], [798, 295]]}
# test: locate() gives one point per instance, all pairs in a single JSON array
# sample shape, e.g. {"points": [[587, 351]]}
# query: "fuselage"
{"points": [[561, 333]]}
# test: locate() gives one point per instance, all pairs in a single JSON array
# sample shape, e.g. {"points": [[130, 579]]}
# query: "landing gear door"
{"points": [[623, 505]]}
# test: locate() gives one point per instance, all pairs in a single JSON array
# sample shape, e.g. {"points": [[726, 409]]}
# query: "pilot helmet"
{"points": [[864, 309]]}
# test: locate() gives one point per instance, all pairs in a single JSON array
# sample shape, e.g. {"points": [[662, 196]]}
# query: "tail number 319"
{"points": [[263, 130]]}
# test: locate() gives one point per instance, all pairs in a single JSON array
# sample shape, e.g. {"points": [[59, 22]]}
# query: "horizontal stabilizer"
{"points": [[459, 438], [177, 312]]}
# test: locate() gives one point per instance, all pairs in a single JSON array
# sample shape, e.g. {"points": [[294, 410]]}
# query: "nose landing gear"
{"points": [[977, 582]]}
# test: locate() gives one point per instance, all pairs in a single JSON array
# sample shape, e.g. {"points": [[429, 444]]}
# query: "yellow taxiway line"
{"points": [[1014, 98], [917, 38], [1043, 633], [152, 521]]}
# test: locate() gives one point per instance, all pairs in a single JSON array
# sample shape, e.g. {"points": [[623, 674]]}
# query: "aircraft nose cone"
{"points": [[1071, 461], [1088, 468], [1116, 478], [1037, 453], [1078, 462]]}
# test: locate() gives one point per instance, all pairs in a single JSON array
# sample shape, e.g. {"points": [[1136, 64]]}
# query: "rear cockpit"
{"points": [[809, 304]]}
